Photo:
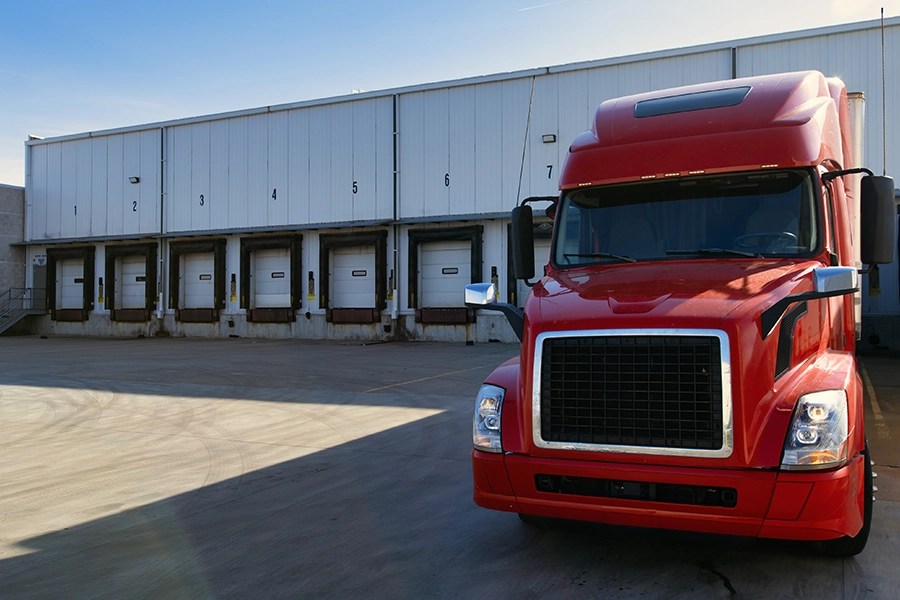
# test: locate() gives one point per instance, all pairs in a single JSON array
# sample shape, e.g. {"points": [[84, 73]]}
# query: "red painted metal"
{"points": [[795, 120]]}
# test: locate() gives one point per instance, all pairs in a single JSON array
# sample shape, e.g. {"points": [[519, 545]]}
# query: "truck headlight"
{"points": [[486, 423], [818, 435]]}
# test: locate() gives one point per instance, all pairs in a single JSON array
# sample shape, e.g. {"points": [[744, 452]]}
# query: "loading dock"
{"points": [[131, 281], [354, 280], [197, 280], [270, 278], [70, 273], [450, 259]]}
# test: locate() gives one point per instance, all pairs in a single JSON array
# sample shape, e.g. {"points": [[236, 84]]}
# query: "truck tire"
{"points": [[851, 546]]}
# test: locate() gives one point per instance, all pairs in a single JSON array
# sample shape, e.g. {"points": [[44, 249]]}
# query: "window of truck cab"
{"points": [[759, 214]]}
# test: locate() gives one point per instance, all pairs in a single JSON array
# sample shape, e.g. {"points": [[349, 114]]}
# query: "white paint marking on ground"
{"points": [[880, 425]]}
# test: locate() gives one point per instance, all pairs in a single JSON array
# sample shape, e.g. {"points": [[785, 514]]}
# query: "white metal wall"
{"points": [[459, 150], [323, 164], [79, 188]]}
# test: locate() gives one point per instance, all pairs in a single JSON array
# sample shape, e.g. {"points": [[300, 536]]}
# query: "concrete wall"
{"points": [[12, 230]]}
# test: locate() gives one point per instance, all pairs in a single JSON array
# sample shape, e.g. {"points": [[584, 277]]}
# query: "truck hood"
{"points": [[682, 294]]}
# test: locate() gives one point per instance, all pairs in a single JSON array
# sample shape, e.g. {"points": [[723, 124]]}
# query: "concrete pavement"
{"points": [[193, 468]]}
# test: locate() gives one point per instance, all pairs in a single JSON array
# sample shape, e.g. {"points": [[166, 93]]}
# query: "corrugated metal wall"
{"points": [[459, 152]]}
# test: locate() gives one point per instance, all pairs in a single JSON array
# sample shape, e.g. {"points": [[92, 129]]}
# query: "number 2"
{"points": [[134, 206]]}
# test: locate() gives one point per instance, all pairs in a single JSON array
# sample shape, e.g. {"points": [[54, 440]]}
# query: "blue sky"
{"points": [[70, 67]]}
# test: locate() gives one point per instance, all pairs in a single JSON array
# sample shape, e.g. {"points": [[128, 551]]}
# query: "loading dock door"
{"points": [[353, 277], [133, 282], [446, 269], [198, 280], [541, 258], [70, 283], [271, 278]]}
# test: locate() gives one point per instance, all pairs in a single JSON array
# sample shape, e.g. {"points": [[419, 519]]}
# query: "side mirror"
{"points": [[523, 242], [877, 213], [480, 294]]}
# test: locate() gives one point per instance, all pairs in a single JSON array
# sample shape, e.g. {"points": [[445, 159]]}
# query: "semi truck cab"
{"points": [[688, 358]]}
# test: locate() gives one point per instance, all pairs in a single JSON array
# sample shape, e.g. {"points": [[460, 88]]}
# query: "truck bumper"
{"points": [[769, 503]]}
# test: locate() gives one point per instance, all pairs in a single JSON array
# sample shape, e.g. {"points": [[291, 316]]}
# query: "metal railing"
{"points": [[15, 303]]}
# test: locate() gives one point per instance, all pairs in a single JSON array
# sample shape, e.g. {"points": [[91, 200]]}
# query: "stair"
{"points": [[15, 305]]}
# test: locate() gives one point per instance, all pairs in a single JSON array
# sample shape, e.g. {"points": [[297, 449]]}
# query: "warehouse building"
{"points": [[363, 217]]}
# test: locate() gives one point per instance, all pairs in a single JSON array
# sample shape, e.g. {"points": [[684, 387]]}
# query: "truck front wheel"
{"points": [[851, 546]]}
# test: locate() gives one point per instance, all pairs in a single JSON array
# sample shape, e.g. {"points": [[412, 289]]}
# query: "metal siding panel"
{"points": [[462, 150], [180, 165], [259, 194], [219, 179], [489, 148], [341, 197], [298, 166], [319, 164], [238, 171], [446, 269], [54, 190], [412, 155], [543, 160], [365, 159], [384, 159], [149, 188], [271, 278], [200, 149], [278, 170], [437, 153], [516, 97], [115, 185], [353, 277], [99, 181], [83, 198], [131, 167], [575, 112], [39, 193], [68, 188]]}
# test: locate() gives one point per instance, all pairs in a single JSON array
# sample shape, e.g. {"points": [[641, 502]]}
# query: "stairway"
{"points": [[15, 305]]}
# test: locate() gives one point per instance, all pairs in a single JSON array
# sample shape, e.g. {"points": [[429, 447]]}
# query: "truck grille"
{"points": [[651, 391]]}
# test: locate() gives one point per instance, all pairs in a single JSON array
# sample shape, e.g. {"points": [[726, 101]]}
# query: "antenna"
{"points": [[883, 109], [525, 143]]}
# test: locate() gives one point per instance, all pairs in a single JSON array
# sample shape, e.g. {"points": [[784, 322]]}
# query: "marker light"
{"points": [[817, 438], [486, 421]]}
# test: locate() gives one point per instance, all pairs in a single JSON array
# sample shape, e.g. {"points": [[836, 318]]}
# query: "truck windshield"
{"points": [[734, 216]]}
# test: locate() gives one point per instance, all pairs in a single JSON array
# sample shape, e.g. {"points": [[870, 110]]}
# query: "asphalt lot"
{"points": [[193, 468]]}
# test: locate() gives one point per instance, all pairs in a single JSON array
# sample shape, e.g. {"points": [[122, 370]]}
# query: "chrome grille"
{"points": [[661, 392]]}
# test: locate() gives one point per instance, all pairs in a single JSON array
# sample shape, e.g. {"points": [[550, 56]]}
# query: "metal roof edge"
{"points": [[490, 78], [769, 38]]}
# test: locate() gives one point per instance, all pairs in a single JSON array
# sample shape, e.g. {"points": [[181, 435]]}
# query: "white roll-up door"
{"points": [[199, 280], [132, 281], [446, 269], [272, 278], [70, 283], [541, 258], [353, 277]]}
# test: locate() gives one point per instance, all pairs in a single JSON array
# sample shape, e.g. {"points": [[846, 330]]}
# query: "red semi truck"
{"points": [[688, 358]]}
